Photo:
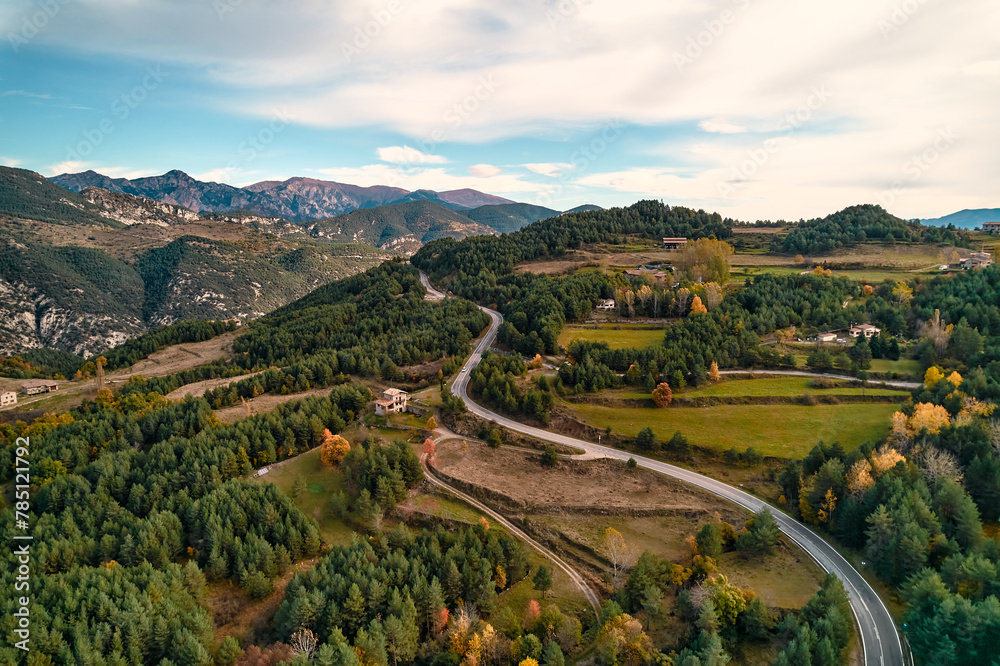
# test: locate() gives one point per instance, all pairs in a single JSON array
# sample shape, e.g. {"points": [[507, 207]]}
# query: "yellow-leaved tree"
{"points": [[859, 478], [713, 372], [932, 376], [885, 459], [697, 307], [930, 417]]}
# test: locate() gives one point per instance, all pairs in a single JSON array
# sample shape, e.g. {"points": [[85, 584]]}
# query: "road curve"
{"points": [[577, 579], [879, 637]]}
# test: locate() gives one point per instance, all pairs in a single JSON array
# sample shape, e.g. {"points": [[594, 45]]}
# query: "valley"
{"points": [[665, 508]]}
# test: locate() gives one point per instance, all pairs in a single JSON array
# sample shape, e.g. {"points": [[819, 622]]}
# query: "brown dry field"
{"points": [[164, 362], [914, 257], [181, 357], [261, 404], [197, 389], [604, 483], [128, 242]]}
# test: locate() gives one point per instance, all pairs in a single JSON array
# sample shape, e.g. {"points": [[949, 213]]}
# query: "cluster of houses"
{"points": [[35, 387], [978, 259], [866, 330]]}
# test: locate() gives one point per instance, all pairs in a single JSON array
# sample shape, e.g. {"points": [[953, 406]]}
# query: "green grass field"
{"points": [[903, 366], [629, 337], [321, 483], [785, 431], [787, 579], [778, 386]]}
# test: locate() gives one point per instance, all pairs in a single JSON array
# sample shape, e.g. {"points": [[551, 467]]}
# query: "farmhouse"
{"points": [[8, 398], [393, 401], [674, 243], [991, 227], [606, 304], [827, 337], [977, 260], [865, 329], [41, 386]]}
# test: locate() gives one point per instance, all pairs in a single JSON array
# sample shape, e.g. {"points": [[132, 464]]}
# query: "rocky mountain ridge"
{"points": [[296, 199]]}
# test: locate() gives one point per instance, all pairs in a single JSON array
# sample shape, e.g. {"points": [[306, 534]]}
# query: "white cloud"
{"points": [[721, 126], [463, 71], [10, 161], [484, 170], [552, 169], [24, 93], [70, 166], [407, 155], [436, 178], [986, 68]]}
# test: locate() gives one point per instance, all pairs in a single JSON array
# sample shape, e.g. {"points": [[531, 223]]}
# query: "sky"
{"points": [[757, 109]]}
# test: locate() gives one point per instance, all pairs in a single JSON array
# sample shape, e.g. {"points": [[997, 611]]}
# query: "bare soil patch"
{"points": [[197, 389], [181, 357], [588, 486]]}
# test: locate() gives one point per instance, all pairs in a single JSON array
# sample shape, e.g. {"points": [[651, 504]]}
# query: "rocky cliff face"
{"points": [[129, 209], [31, 319]]}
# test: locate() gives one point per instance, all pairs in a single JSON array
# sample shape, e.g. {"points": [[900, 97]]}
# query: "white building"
{"points": [[827, 337], [393, 402], [867, 330], [977, 260], [606, 304], [8, 398]]}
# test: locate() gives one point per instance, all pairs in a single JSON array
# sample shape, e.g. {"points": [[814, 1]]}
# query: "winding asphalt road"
{"points": [[879, 637]]}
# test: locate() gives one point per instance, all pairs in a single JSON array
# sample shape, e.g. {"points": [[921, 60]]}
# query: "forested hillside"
{"points": [[27, 195], [136, 484], [537, 307], [859, 224]]}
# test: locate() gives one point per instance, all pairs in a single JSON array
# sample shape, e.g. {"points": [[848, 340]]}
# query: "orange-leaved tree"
{"points": [[697, 307], [662, 395], [333, 449]]}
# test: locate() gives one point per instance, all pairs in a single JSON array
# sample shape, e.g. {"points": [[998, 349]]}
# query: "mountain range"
{"points": [[87, 261], [84, 272], [295, 199], [966, 219]]}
